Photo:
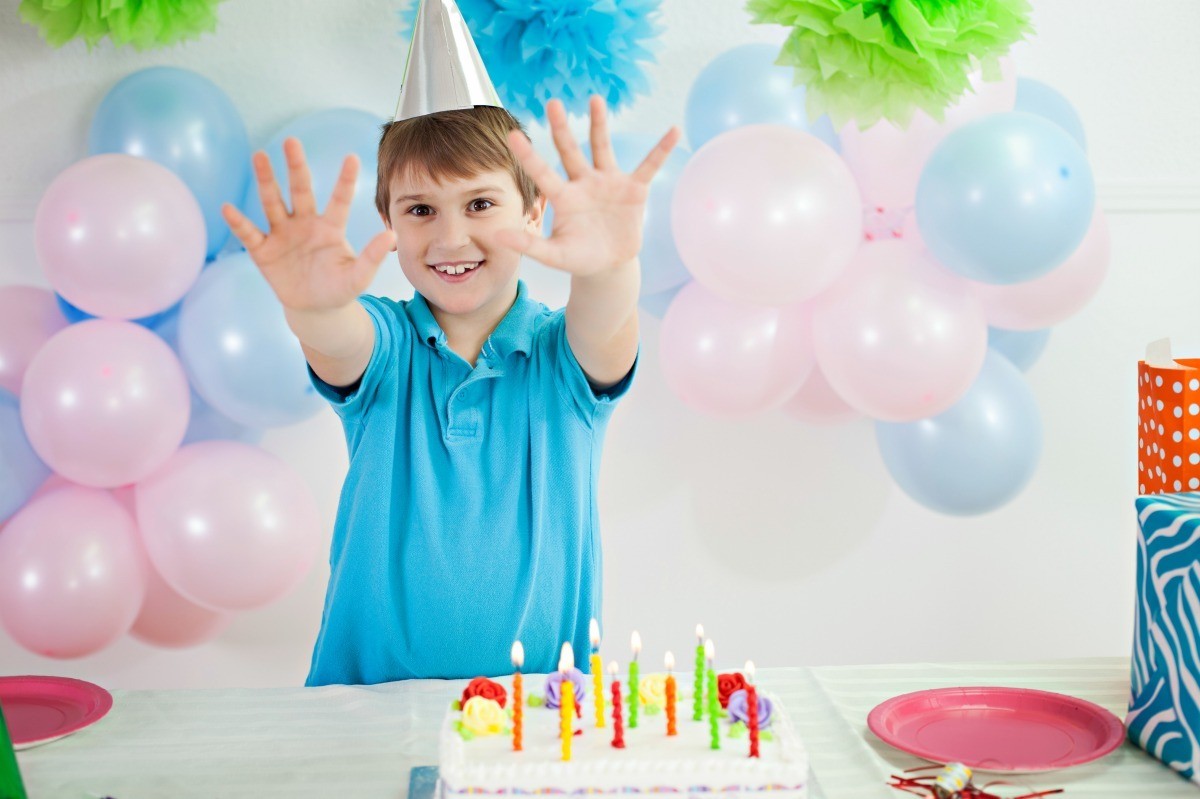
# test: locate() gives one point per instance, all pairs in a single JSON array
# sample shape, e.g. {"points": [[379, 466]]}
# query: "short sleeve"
{"points": [[352, 402], [572, 382]]}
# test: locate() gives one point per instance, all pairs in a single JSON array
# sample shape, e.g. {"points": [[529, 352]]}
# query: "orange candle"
{"points": [[670, 661], [597, 674], [566, 706], [518, 659]]}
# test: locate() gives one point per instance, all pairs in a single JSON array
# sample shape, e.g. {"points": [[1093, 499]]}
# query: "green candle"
{"points": [[714, 701], [635, 688], [698, 689], [11, 786]]}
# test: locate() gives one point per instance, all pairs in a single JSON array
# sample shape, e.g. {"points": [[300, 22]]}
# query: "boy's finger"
{"points": [[540, 249], [268, 190], [338, 210], [547, 180], [657, 157], [245, 230], [602, 151], [299, 178], [573, 160], [372, 256]]}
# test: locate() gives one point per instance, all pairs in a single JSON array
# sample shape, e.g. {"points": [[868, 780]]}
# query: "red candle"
{"points": [[618, 741], [518, 659], [670, 661], [752, 708]]}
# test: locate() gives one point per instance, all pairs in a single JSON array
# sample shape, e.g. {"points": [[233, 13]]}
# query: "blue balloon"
{"points": [[183, 121], [975, 456], [21, 470], [238, 350], [208, 424], [328, 137], [656, 304], [1035, 97], [744, 86], [152, 322], [1021, 347], [1005, 199]]}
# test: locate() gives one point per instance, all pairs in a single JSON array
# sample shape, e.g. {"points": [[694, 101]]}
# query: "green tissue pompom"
{"points": [[145, 24]]}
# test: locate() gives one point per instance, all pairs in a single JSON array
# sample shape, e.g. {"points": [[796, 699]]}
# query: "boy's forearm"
{"points": [[602, 322], [337, 343]]}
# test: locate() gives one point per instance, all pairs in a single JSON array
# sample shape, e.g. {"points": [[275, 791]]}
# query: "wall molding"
{"points": [[1116, 198]]}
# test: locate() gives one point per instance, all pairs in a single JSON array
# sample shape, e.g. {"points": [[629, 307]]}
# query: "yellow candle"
{"points": [[597, 674], [566, 705]]}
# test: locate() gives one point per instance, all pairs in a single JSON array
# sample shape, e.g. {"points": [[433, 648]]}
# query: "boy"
{"points": [[474, 416]]}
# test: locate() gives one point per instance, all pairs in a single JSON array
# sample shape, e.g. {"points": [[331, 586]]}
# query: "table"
{"points": [[361, 742]]}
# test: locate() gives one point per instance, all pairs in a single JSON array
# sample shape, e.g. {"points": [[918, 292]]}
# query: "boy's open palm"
{"points": [[305, 256], [598, 210]]}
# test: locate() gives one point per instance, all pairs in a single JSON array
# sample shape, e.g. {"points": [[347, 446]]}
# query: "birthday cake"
{"points": [[657, 747]]}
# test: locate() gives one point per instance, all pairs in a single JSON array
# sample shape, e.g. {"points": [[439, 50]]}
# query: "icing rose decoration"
{"points": [[727, 684], [653, 690], [483, 716], [739, 707], [482, 686], [554, 688]]}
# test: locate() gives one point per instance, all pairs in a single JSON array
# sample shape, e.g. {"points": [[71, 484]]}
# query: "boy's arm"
{"points": [[598, 217], [305, 258]]}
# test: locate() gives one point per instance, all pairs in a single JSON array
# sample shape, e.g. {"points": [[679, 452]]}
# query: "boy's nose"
{"points": [[451, 235]]}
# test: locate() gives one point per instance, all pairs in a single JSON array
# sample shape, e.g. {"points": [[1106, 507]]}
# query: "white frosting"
{"points": [[650, 760]]}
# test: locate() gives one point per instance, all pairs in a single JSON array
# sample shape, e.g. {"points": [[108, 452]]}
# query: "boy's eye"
{"points": [[481, 205], [420, 210]]}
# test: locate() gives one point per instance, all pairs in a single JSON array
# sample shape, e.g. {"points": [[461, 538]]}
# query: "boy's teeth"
{"points": [[456, 270]]}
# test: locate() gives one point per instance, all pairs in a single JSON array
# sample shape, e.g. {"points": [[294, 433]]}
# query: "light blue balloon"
{"points": [[656, 304], [328, 137], [240, 354], [975, 456], [744, 86], [183, 121], [1021, 347], [1035, 97], [1005, 199], [152, 322], [21, 470]]}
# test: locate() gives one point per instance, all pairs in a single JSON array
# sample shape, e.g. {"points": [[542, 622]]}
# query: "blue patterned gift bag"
{"points": [[1164, 700]]}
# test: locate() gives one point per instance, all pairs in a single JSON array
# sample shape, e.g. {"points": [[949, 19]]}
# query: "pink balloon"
{"points": [[72, 576], [729, 359], [1060, 293], [29, 316], [766, 215], [899, 338], [227, 525], [105, 403], [817, 403], [120, 237], [887, 159]]}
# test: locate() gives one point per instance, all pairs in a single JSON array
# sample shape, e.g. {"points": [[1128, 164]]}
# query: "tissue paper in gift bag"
{"points": [[1164, 700], [1168, 422]]}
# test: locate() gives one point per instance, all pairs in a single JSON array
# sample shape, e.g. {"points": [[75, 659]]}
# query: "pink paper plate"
{"points": [[998, 729], [42, 709]]}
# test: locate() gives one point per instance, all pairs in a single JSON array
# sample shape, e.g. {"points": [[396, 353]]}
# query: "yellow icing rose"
{"points": [[483, 716], [653, 690]]}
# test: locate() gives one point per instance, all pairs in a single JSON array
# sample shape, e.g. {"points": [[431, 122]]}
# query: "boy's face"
{"points": [[447, 226]]}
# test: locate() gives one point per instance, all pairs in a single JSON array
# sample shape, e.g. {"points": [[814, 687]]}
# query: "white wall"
{"points": [[790, 544]]}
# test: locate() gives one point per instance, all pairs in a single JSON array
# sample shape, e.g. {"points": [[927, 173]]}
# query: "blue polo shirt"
{"points": [[468, 518]]}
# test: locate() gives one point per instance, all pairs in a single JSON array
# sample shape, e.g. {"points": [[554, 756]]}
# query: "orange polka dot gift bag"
{"points": [[1168, 422]]}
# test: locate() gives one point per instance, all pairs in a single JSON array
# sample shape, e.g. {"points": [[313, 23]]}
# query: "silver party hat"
{"points": [[444, 71]]}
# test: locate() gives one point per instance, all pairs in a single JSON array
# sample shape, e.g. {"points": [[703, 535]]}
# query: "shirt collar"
{"points": [[513, 334]]}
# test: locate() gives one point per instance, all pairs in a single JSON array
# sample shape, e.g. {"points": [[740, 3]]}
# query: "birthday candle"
{"points": [[566, 705], [597, 673], [714, 701], [670, 663], [752, 708], [698, 690], [634, 683], [518, 659], [618, 740]]}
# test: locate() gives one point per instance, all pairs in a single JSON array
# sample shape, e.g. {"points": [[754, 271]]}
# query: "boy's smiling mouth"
{"points": [[456, 271]]}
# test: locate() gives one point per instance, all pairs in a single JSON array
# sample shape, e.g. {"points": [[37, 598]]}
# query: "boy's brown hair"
{"points": [[451, 144]]}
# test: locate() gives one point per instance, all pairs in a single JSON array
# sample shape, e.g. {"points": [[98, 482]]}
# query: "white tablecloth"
{"points": [[361, 742]]}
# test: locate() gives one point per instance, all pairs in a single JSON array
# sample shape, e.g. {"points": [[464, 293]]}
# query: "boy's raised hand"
{"points": [[305, 256], [598, 210]]}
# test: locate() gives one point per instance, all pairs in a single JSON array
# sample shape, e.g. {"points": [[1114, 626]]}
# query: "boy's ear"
{"points": [[537, 214], [387, 223]]}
